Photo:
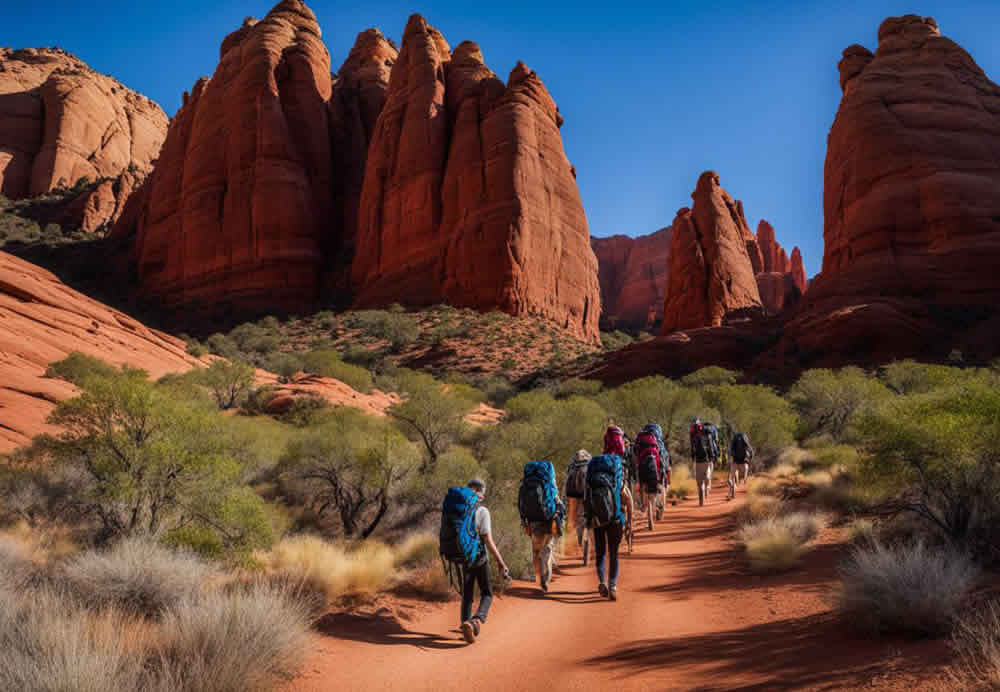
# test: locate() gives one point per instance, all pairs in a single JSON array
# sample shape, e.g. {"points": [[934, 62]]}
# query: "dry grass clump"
{"points": [[763, 485], [909, 589], [418, 549], [758, 507], [783, 470], [862, 531], [682, 483], [778, 542], [136, 576], [18, 564], [818, 479], [222, 641], [976, 638], [360, 573], [793, 458]]}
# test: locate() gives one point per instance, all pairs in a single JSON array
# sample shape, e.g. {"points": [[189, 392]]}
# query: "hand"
{"points": [[506, 573]]}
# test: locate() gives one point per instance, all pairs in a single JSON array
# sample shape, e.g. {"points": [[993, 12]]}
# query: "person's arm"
{"points": [[495, 552]]}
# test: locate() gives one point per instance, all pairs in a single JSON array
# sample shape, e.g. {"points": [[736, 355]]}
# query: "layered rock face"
{"points": [[468, 196], [60, 121], [43, 320], [633, 277], [912, 175], [781, 279], [711, 278], [234, 215]]}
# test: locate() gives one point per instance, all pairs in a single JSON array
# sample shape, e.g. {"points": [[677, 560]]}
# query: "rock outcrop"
{"points": [[41, 321], [912, 176], [468, 197], [633, 276], [416, 178], [61, 122], [711, 278]]}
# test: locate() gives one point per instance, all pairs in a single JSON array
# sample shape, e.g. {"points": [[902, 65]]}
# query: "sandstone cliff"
{"points": [[711, 277], [60, 122], [633, 276]]}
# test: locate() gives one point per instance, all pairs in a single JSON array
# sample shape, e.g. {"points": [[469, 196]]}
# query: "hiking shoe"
{"points": [[545, 587], [469, 631], [613, 593], [476, 624], [603, 590]]}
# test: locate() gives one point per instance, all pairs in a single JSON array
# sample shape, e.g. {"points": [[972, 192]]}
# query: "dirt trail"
{"points": [[689, 617]]}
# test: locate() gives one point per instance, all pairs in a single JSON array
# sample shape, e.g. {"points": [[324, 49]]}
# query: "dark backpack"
{"points": [[537, 500], [700, 444], [459, 541], [614, 441], [576, 479], [604, 482], [740, 448], [649, 469], [712, 433]]}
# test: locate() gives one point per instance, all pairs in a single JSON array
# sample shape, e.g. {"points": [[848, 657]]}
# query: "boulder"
{"points": [[711, 277], [633, 276]]}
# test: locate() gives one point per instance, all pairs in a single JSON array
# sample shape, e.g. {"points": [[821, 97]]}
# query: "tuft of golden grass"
{"points": [[682, 483], [976, 639], [778, 542]]}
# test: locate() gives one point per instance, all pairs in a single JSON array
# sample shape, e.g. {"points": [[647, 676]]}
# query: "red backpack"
{"points": [[614, 441]]}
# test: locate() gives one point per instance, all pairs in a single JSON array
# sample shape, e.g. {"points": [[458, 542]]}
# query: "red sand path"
{"points": [[690, 617]]}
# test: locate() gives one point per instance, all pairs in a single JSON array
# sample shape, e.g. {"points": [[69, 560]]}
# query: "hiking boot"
{"points": [[476, 624], [469, 631], [613, 593], [603, 590]]}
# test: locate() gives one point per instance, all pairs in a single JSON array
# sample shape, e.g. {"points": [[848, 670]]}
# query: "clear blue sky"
{"points": [[652, 93]]}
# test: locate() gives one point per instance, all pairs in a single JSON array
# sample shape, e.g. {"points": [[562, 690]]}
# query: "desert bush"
{"points": [[327, 363], [778, 542], [911, 377], [976, 639], [135, 576], [940, 454], [325, 319], [656, 399], [222, 345], [360, 573], [417, 550], [575, 386], [832, 402], [398, 328], [862, 531], [912, 589], [48, 643], [352, 464], [78, 368], [682, 483], [432, 413], [356, 354], [613, 341], [230, 381], [767, 419], [18, 564], [243, 639], [712, 376], [285, 365], [758, 507]]}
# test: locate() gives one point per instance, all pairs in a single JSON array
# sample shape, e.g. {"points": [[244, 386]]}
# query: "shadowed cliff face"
{"points": [[414, 177], [633, 278]]}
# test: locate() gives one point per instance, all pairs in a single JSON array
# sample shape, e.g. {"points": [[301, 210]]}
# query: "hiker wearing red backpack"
{"points": [[652, 462]]}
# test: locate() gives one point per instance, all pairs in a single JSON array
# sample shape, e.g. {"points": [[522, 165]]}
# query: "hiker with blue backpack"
{"points": [[542, 514], [603, 511], [466, 541]]}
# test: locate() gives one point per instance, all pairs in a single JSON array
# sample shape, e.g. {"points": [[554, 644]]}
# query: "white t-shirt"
{"points": [[483, 521]]}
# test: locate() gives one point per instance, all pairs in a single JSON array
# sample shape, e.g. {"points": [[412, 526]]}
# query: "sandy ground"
{"points": [[690, 616]]}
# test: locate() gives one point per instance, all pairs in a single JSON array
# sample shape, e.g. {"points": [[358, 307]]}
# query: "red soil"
{"points": [[690, 617]]}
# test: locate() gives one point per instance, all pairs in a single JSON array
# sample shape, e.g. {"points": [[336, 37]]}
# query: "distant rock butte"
{"points": [[416, 177], [61, 121], [468, 196], [711, 278], [633, 278]]}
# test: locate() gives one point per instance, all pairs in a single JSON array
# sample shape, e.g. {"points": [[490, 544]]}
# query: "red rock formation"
{"points": [[41, 321], [60, 121], [633, 276], [235, 212], [711, 277], [778, 291], [798, 270], [912, 176], [468, 196]]}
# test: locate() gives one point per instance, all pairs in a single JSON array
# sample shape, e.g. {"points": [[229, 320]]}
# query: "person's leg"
{"points": [[469, 575], [734, 477], [545, 557], [650, 508], [536, 557], [614, 542], [485, 591], [708, 481], [600, 548]]}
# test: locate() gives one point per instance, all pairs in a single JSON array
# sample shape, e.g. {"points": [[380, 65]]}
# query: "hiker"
{"points": [[740, 455], [575, 490], [603, 511], [651, 460], [702, 453], [467, 542], [542, 514]]}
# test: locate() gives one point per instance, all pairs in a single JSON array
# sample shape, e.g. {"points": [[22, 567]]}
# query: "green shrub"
{"points": [[222, 345], [230, 381], [78, 368], [833, 402], [711, 376], [613, 341], [357, 354], [768, 420], [326, 319], [431, 412], [285, 365], [398, 328], [269, 323], [327, 363]]}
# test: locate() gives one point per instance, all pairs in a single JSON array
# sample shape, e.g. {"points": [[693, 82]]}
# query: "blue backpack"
{"points": [[604, 490], [459, 541], [538, 498]]}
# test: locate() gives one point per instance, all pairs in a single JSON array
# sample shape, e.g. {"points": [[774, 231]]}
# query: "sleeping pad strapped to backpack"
{"points": [[459, 540], [538, 498], [604, 483]]}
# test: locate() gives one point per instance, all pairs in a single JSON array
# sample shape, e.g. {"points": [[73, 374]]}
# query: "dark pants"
{"points": [[470, 577], [606, 540]]}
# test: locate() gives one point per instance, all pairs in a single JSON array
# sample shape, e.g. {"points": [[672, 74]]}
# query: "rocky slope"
{"points": [[60, 122], [633, 277], [711, 278], [468, 195], [416, 178]]}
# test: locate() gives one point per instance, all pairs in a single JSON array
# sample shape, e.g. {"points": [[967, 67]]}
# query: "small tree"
{"points": [[353, 464], [832, 402], [434, 413], [230, 381]]}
